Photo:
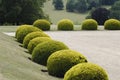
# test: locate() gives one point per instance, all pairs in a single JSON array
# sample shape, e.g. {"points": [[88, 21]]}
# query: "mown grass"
{"points": [[56, 15], [15, 65]]}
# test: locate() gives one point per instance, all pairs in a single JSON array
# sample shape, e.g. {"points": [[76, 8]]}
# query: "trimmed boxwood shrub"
{"points": [[112, 24], [89, 24], [42, 51], [65, 24], [35, 41], [42, 24], [61, 61], [24, 31], [86, 71], [32, 35], [19, 28]]}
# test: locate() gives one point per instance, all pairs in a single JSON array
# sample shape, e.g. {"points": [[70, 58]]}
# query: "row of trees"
{"points": [[81, 6], [115, 10], [97, 13], [107, 2], [20, 11], [102, 14], [58, 4]]}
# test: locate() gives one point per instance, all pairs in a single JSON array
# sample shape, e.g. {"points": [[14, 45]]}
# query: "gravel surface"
{"points": [[100, 47]]}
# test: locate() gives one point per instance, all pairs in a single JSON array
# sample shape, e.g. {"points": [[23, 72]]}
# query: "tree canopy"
{"points": [[115, 10], [107, 2], [21, 11], [100, 15], [81, 6], [58, 4], [76, 6]]}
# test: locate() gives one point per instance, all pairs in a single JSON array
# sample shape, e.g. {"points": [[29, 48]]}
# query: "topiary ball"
{"points": [[65, 24], [112, 24], [24, 31], [42, 24], [61, 61], [42, 51], [89, 24], [32, 35], [19, 28], [86, 71], [35, 41]]}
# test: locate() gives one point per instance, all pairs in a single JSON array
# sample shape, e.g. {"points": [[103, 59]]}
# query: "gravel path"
{"points": [[100, 47]]}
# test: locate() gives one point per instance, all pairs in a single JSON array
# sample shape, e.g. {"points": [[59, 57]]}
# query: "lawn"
{"points": [[56, 15]]}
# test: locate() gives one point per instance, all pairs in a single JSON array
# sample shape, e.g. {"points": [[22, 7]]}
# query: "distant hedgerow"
{"points": [[42, 24], [89, 24], [65, 24], [112, 24]]}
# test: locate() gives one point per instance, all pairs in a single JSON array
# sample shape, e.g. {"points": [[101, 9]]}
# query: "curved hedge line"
{"points": [[57, 56]]}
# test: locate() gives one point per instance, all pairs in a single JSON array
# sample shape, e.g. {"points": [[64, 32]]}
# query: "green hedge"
{"points": [[89, 24], [42, 51], [42, 24], [112, 24], [61, 61], [86, 71], [65, 24], [34, 42], [32, 35], [24, 31], [19, 28]]}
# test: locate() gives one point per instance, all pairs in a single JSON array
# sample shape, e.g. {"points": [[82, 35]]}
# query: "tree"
{"points": [[108, 2], [30, 12], [22, 11], [93, 4], [2, 16], [40, 2], [100, 15], [70, 5], [58, 4], [76, 6], [81, 6], [12, 16], [115, 10]]}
